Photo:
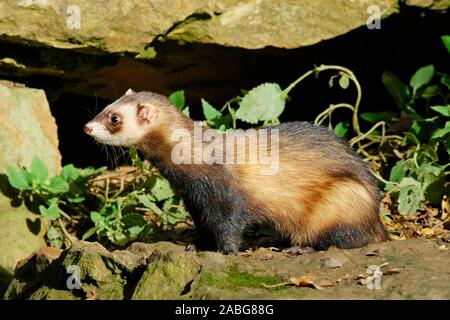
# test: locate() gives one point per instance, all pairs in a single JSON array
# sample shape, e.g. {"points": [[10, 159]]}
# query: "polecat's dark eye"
{"points": [[114, 119]]}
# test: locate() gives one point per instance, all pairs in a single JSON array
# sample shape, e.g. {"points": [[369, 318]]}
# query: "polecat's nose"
{"points": [[87, 129]]}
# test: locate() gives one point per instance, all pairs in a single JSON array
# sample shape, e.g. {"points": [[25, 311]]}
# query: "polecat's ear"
{"points": [[129, 91], [144, 114]]}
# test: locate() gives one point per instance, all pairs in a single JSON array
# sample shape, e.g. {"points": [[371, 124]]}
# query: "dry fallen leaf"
{"points": [[246, 253], [306, 280], [443, 248], [339, 280], [427, 232], [391, 271]]}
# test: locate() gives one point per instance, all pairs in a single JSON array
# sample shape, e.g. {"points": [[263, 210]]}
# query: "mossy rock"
{"points": [[166, 271]]}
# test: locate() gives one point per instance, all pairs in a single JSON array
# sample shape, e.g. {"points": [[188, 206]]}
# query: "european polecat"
{"points": [[313, 189]]}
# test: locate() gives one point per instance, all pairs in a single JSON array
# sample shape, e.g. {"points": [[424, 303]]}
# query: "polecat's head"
{"points": [[129, 119]]}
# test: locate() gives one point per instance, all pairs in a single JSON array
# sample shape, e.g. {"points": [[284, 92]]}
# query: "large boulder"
{"points": [[128, 26], [412, 269], [27, 129]]}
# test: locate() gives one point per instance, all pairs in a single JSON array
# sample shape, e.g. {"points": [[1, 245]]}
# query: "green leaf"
{"points": [[263, 103], [426, 153], [18, 178], [135, 159], [432, 178], [160, 189], [341, 128], [135, 231], [177, 99], [76, 198], [96, 217], [210, 112], [398, 172], [344, 81], [398, 90], [186, 112], [148, 202], [52, 212], [53, 233], [445, 80], [89, 233], [38, 170], [431, 91], [145, 199], [446, 41], [58, 185], [439, 133], [331, 82], [167, 204], [133, 219], [148, 53], [70, 173], [410, 196], [444, 110], [411, 137], [447, 145], [55, 237], [374, 117], [422, 77]]}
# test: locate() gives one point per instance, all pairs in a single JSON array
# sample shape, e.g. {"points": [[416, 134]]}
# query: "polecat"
{"points": [[319, 193]]}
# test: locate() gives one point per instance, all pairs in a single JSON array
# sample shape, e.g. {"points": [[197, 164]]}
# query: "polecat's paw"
{"points": [[299, 250]]}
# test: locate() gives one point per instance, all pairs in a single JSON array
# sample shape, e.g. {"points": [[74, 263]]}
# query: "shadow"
{"points": [[17, 200], [34, 226], [5, 278], [8, 191], [253, 237]]}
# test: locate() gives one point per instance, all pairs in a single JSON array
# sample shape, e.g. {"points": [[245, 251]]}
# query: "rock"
{"points": [[171, 274], [207, 47], [27, 129], [21, 232], [250, 24], [31, 269], [413, 269], [429, 4]]}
